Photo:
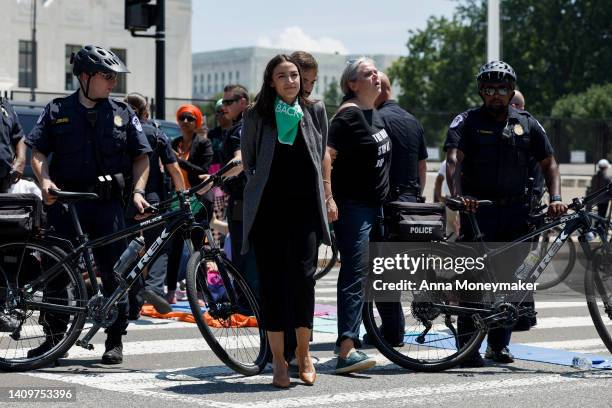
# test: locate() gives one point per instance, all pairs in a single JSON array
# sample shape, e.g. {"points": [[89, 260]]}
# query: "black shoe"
{"points": [[114, 351], [160, 304], [474, 361], [367, 340], [47, 345], [8, 324], [502, 356]]}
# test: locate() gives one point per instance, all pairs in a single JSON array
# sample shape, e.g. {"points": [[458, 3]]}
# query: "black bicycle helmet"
{"points": [[496, 71], [91, 59]]}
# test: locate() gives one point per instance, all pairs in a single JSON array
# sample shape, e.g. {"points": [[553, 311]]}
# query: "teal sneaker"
{"points": [[355, 362]]}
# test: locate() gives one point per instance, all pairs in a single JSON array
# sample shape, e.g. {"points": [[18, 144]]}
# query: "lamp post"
{"points": [[493, 30], [34, 81]]}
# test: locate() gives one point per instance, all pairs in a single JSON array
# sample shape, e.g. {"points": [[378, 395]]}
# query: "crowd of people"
{"points": [[301, 171]]}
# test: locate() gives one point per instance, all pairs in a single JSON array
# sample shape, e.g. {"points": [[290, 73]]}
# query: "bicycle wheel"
{"points": [[231, 330], [552, 276], [42, 333], [431, 340], [328, 255], [598, 289]]}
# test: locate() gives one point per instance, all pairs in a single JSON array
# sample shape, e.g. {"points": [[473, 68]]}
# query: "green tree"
{"points": [[594, 103], [557, 47], [332, 95]]}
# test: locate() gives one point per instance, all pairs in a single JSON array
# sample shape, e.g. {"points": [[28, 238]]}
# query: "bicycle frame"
{"points": [[580, 220]]}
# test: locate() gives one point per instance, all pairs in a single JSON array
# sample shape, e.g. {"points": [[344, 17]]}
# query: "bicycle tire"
{"points": [[196, 292], [544, 284], [37, 249], [330, 258], [598, 289], [404, 356]]}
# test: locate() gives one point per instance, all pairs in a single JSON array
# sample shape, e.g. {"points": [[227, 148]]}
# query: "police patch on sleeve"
{"points": [[458, 119], [42, 115], [136, 123]]}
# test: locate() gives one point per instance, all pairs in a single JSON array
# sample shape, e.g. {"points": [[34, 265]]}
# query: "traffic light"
{"points": [[139, 15]]}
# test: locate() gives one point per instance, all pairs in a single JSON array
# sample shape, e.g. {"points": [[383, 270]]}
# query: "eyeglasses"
{"points": [[187, 118], [109, 76], [228, 102], [490, 91]]}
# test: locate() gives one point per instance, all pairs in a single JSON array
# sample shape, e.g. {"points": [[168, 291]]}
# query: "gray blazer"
{"points": [[257, 143]]}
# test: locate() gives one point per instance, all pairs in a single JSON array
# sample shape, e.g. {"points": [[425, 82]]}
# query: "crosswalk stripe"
{"points": [[578, 344], [148, 384]]}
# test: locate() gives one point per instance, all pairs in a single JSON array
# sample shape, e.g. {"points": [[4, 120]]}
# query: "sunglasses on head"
{"points": [[490, 91], [187, 118], [109, 76], [228, 102]]}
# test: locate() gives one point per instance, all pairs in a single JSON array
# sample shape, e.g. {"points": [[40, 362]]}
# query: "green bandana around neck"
{"points": [[287, 120]]}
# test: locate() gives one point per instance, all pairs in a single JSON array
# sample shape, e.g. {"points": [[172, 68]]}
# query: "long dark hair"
{"points": [[264, 101]]}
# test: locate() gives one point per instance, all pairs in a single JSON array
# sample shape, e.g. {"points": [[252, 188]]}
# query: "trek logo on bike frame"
{"points": [[552, 251], [145, 259]]}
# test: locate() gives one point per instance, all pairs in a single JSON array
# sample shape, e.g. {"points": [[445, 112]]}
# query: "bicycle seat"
{"points": [[72, 195]]}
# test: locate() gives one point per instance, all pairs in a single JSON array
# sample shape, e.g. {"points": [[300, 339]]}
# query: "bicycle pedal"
{"points": [[87, 346]]}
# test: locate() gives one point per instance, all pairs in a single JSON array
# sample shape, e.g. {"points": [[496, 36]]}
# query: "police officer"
{"points": [[493, 145], [407, 176], [12, 147], [91, 135], [151, 289]]}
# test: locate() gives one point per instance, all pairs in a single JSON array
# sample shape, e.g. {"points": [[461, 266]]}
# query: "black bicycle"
{"points": [[434, 342], [40, 282]]}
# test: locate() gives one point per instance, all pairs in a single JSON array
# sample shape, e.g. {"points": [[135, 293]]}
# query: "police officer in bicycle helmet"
{"points": [[494, 145], [98, 145]]}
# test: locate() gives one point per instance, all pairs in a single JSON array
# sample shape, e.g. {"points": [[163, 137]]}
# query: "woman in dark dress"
{"points": [[284, 208]]}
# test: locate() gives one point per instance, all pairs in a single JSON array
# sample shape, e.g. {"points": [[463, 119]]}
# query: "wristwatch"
{"points": [[555, 198], [139, 191]]}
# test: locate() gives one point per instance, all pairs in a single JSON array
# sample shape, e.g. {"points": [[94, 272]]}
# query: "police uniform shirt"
{"points": [[408, 140], [65, 130], [10, 134], [162, 151], [497, 154]]}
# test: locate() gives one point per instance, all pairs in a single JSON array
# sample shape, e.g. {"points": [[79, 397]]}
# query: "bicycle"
{"points": [[432, 341], [39, 281]]}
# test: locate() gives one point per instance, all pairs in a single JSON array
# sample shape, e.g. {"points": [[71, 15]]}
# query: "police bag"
{"points": [[20, 214], [410, 222]]}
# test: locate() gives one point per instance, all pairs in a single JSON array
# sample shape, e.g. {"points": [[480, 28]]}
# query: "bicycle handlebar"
{"points": [[215, 179], [456, 204]]}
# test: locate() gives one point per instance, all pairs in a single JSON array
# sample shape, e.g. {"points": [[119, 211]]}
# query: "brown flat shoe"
{"points": [[308, 378]]}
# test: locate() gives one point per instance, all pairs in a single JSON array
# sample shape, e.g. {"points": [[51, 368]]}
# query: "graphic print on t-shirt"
{"points": [[382, 140]]}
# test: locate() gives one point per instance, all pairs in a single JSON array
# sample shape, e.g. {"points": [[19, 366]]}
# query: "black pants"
{"points": [[98, 218], [285, 239], [497, 224]]}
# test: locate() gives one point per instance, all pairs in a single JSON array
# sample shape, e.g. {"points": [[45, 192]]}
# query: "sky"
{"points": [[345, 26]]}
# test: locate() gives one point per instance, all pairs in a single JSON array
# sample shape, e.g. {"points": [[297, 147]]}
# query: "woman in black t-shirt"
{"points": [[284, 208], [361, 153]]}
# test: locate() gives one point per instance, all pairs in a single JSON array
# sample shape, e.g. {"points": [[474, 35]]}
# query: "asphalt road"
{"points": [[168, 364]]}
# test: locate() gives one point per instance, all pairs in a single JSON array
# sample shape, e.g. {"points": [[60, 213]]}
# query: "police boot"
{"points": [[114, 350]]}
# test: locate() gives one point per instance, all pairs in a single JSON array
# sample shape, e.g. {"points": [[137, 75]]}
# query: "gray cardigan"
{"points": [[257, 143]]}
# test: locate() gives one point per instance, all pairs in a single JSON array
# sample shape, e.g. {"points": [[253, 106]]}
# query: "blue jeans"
{"points": [[355, 222]]}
